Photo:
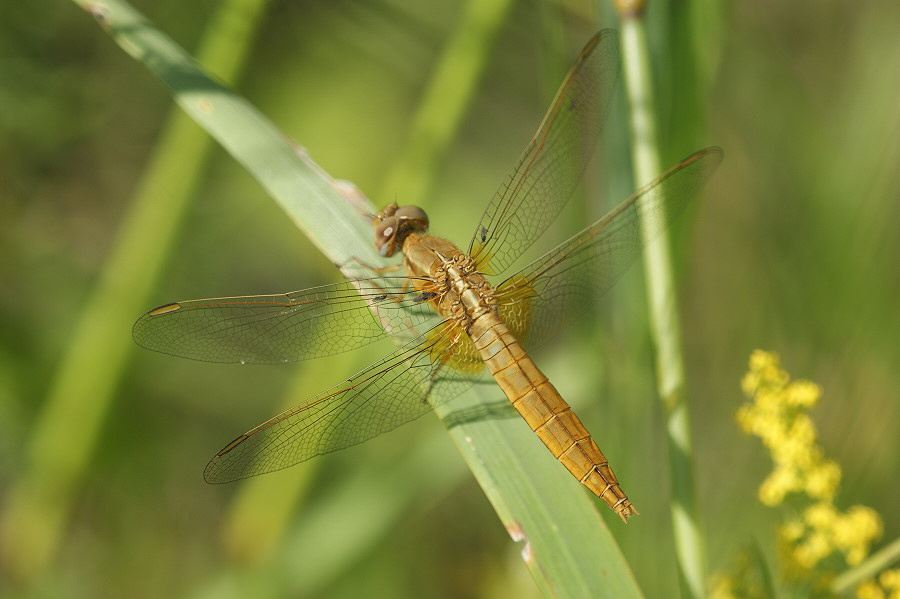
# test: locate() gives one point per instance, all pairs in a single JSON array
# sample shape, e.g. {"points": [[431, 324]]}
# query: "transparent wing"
{"points": [[394, 390], [549, 169], [536, 301], [285, 327]]}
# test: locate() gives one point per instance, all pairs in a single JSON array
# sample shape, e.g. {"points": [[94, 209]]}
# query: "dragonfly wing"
{"points": [[559, 285], [551, 166], [285, 327], [393, 391]]}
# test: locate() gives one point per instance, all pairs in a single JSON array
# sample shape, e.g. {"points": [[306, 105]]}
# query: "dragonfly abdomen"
{"points": [[546, 412]]}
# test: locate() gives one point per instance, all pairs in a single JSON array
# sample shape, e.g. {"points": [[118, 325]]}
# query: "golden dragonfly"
{"points": [[451, 319]]}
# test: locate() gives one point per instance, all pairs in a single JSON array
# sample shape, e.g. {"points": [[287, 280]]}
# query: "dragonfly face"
{"points": [[394, 223], [453, 319]]}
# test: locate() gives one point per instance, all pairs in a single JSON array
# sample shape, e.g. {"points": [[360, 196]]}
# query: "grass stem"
{"points": [[665, 330]]}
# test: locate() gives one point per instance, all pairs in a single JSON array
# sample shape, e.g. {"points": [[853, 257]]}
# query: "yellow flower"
{"points": [[778, 484], [804, 394], [856, 531], [721, 587], [820, 515], [812, 550], [869, 590], [803, 430], [822, 481], [777, 413], [890, 581], [792, 530]]}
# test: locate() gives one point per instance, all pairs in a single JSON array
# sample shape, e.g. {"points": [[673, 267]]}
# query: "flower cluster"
{"points": [[818, 536], [778, 415]]}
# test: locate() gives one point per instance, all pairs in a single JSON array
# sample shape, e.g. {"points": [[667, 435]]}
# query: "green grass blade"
{"points": [[882, 559], [564, 539], [690, 547]]}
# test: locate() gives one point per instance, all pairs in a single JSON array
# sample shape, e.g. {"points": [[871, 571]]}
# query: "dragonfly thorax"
{"points": [[393, 224]]}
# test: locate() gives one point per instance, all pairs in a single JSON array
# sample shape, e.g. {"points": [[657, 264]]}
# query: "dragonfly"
{"points": [[454, 313]]}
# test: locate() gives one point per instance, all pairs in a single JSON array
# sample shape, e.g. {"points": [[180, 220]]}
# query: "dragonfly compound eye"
{"points": [[413, 217], [386, 236]]}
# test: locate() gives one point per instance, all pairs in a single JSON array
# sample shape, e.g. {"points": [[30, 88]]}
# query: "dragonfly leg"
{"points": [[355, 268]]}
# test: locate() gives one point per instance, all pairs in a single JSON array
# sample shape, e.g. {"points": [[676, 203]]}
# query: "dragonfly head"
{"points": [[394, 223]]}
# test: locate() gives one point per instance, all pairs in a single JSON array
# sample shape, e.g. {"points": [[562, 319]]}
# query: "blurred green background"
{"points": [[794, 248]]}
